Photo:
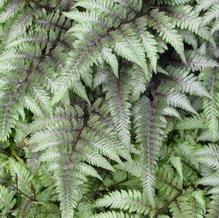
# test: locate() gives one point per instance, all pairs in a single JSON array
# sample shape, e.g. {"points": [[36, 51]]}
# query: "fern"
{"points": [[187, 206], [150, 141], [109, 108], [7, 200], [113, 214], [130, 200], [118, 95]]}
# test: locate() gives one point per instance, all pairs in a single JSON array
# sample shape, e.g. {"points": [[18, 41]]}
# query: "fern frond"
{"points": [[23, 57], [7, 200], [213, 207], [163, 24], [215, 27], [10, 10], [175, 2], [89, 93], [139, 82], [194, 122], [111, 59], [130, 48], [130, 200], [204, 5], [177, 164], [198, 61], [181, 101], [210, 106], [66, 186], [150, 46], [170, 111], [206, 135], [187, 18], [119, 106], [189, 38], [85, 140], [187, 206], [211, 14], [149, 134], [208, 155], [188, 82], [114, 214], [168, 184], [211, 180], [22, 23]]}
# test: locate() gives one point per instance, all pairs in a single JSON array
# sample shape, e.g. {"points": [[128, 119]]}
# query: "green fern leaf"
{"points": [[130, 200], [7, 200], [111, 59]]}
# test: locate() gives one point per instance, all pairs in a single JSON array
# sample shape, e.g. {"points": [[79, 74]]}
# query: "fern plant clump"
{"points": [[109, 108]]}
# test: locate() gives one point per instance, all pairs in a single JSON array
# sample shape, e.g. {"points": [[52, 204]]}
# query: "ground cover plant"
{"points": [[109, 108]]}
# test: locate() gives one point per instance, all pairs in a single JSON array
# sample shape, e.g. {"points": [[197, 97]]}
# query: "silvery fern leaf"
{"points": [[118, 91], [148, 128]]}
